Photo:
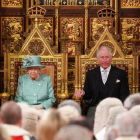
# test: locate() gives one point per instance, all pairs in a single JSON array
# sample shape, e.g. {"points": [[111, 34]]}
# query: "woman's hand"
{"points": [[38, 107]]}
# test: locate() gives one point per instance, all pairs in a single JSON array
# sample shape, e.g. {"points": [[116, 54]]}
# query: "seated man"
{"points": [[103, 81], [34, 88]]}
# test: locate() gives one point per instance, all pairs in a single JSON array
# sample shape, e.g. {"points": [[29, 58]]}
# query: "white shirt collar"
{"points": [[107, 69]]}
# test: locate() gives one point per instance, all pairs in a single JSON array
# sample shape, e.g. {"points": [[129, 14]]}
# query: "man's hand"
{"points": [[38, 107], [79, 93]]}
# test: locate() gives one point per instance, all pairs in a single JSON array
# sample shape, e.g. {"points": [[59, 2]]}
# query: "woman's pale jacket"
{"points": [[35, 92]]}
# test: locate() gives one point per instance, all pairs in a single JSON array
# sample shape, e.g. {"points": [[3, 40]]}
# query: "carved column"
{"points": [[78, 83], [135, 50], [56, 22], [116, 16], [78, 46], [27, 19], [64, 76], [86, 24]]}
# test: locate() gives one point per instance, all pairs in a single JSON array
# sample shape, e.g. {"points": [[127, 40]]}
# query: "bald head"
{"points": [[10, 113]]}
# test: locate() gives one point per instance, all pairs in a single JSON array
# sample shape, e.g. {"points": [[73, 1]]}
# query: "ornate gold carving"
{"points": [[116, 16], [128, 26], [12, 28], [36, 47], [95, 26], [110, 45], [86, 24], [130, 4], [36, 35], [4, 97], [46, 26], [72, 2], [36, 11], [12, 3], [56, 27]]}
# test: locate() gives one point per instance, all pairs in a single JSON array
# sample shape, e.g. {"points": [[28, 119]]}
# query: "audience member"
{"points": [[127, 126], [72, 103], [11, 118], [49, 124], [72, 132], [68, 112], [102, 113], [132, 100]]}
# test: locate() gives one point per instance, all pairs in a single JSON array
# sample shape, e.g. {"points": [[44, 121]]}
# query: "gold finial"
{"points": [[105, 3], [37, 2]]}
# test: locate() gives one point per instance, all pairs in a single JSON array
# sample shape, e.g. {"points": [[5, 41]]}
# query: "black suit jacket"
{"points": [[118, 84]]}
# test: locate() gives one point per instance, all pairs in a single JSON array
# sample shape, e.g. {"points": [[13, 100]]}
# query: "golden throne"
{"points": [[126, 59], [37, 42]]}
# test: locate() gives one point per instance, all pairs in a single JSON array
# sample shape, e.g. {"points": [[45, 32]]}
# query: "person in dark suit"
{"points": [[103, 81]]}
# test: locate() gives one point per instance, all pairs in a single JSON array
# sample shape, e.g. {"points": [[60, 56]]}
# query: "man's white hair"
{"points": [[104, 48], [127, 124], [132, 100]]}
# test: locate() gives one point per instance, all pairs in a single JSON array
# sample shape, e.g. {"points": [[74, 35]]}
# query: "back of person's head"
{"points": [[49, 124], [132, 100], [72, 132], [102, 112], [3, 133], [113, 112], [82, 121], [68, 112], [110, 133], [127, 124], [71, 103], [10, 113]]}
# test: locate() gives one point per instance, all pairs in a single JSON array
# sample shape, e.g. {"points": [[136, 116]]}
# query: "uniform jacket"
{"points": [[118, 84], [35, 92]]}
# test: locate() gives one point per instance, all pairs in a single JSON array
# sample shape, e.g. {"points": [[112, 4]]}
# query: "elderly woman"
{"points": [[34, 88]]}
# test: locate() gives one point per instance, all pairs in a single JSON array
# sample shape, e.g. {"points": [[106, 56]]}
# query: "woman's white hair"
{"points": [[102, 112]]}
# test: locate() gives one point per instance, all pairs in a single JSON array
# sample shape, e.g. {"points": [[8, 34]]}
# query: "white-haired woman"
{"points": [[34, 88]]}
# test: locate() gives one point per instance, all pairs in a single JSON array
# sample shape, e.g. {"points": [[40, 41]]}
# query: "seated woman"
{"points": [[34, 88]]}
